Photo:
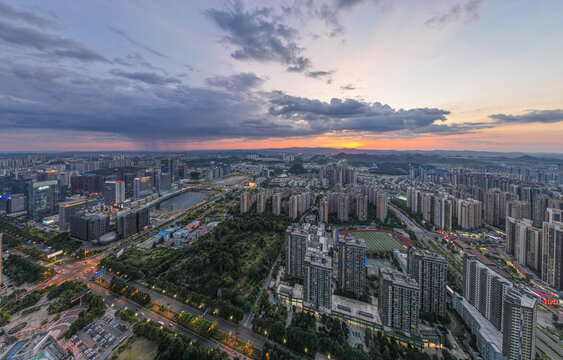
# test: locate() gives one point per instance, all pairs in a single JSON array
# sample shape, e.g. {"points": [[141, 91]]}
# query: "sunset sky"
{"points": [[372, 74]]}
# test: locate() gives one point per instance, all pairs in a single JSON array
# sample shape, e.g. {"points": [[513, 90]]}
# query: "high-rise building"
{"points": [[382, 206], [317, 280], [470, 214], [443, 213], [428, 201], [399, 296], [114, 192], [485, 289], [130, 222], [430, 271], [42, 199], [87, 184], [244, 202], [519, 335], [492, 206], [295, 247], [524, 242], [519, 209], [70, 207], [276, 204], [88, 227], [142, 187], [361, 207], [343, 207], [352, 264], [540, 208], [12, 203], [552, 254], [261, 202], [163, 183], [294, 206], [324, 209]]}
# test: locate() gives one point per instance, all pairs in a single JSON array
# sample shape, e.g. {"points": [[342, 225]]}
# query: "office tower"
{"points": [[362, 207], [295, 247], [324, 209], [352, 264], [443, 213], [114, 192], [143, 217], [470, 214], [523, 241], [88, 227], [42, 199], [142, 187], [430, 271], [244, 202], [540, 208], [261, 202], [399, 296], [484, 289], [519, 335], [343, 207], [276, 204], [130, 222], [68, 208], [163, 183], [294, 202], [382, 206], [552, 253], [88, 184], [12, 203], [519, 209], [317, 280]]}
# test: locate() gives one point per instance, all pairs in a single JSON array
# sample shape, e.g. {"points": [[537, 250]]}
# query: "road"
{"points": [[118, 302], [242, 332]]}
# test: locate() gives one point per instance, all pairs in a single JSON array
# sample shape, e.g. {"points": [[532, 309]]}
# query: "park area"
{"points": [[379, 240]]}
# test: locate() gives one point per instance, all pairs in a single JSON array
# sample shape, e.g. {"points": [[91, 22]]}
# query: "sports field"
{"points": [[377, 241]]}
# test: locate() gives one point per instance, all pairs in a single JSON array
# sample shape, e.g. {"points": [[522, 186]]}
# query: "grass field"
{"points": [[377, 241], [136, 348]]}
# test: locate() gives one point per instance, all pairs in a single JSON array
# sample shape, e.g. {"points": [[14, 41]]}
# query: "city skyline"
{"points": [[421, 75]]}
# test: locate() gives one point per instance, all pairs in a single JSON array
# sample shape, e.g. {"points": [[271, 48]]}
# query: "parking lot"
{"points": [[99, 339]]}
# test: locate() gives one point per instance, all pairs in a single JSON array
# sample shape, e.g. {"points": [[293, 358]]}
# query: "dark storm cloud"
{"points": [[259, 35], [48, 44], [129, 38], [539, 116], [146, 77], [354, 115], [235, 82], [466, 11], [11, 13], [166, 110]]}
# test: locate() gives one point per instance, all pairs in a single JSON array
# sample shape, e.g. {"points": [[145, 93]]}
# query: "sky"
{"points": [[367, 74]]}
